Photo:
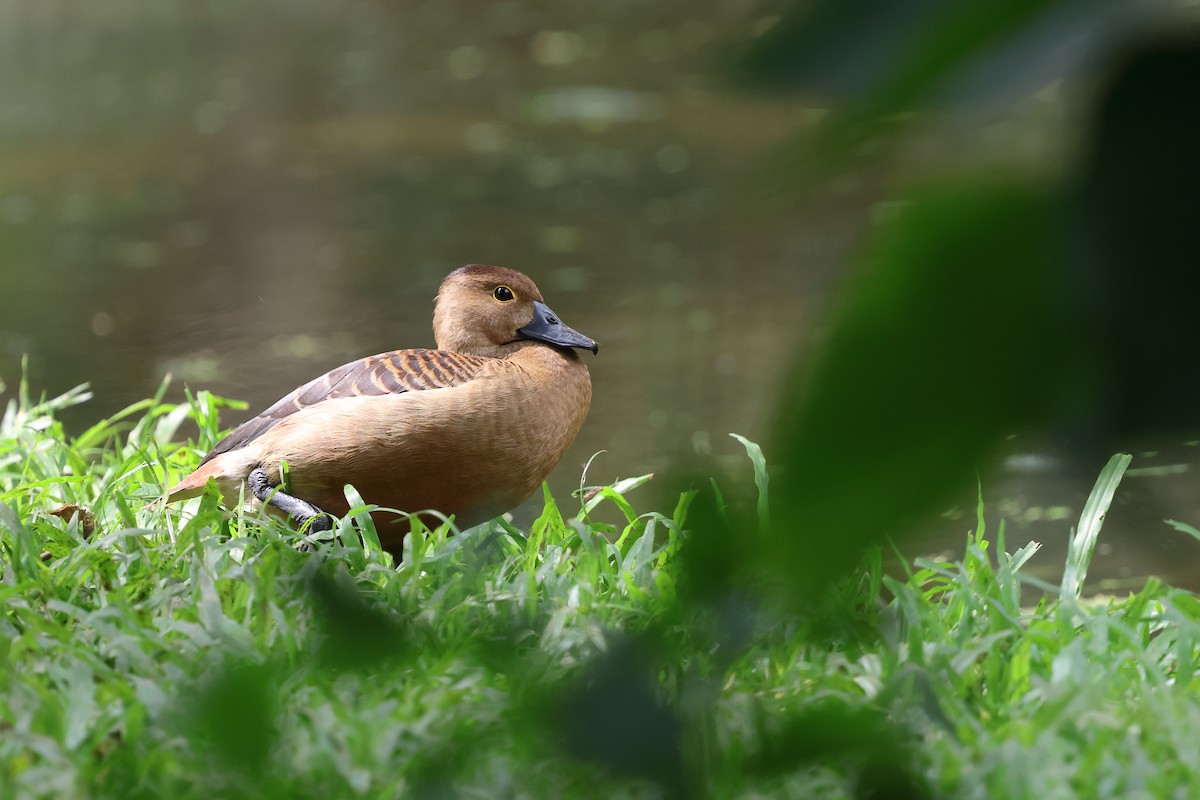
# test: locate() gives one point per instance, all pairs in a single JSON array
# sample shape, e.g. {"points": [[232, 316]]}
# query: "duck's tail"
{"points": [[193, 485]]}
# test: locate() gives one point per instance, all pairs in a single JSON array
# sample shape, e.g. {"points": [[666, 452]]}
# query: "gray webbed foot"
{"points": [[299, 511]]}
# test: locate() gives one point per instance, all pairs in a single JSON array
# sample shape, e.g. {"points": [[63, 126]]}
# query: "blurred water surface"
{"points": [[244, 196]]}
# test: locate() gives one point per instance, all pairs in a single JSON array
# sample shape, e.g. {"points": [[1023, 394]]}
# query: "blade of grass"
{"points": [[760, 479], [1083, 542], [1183, 527]]}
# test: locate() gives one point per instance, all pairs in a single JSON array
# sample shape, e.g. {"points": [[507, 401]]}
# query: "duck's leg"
{"points": [[300, 511]]}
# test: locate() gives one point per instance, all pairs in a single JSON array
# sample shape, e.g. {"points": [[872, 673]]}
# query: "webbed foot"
{"points": [[299, 511]]}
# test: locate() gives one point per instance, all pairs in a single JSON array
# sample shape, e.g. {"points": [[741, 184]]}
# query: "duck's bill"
{"points": [[546, 327]]}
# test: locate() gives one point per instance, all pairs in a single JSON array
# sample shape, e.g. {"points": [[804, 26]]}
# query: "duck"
{"points": [[468, 430]]}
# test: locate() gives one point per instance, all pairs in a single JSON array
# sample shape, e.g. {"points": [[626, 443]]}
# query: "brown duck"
{"points": [[470, 429]]}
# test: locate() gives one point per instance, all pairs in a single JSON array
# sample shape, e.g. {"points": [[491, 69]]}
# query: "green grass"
{"points": [[183, 652]]}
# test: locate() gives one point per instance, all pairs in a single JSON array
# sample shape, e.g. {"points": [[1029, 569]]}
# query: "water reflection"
{"points": [[245, 197]]}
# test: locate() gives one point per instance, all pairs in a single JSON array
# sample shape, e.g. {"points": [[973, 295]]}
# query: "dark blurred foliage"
{"points": [[946, 343], [985, 307], [614, 715], [232, 715], [1136, 270], [989, 307], [832, 732], [353, 632]]}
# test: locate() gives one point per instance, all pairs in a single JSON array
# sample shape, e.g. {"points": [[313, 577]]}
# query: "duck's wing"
{"points": [[387, 373]]}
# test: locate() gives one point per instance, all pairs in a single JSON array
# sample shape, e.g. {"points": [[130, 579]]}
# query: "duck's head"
{"points": [[487, 311]]}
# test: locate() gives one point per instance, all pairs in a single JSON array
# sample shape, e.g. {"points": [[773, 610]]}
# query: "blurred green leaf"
{"points": [[355, 633], [830, 732], [945, 343], [613, 716], [1136, 279], [233, 715], [714, 553]]}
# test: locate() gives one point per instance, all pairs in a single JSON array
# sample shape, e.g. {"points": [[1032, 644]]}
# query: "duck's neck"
{"points": [[527, 350]]}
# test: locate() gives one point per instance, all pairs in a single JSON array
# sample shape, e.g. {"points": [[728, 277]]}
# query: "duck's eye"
{"points": [[503, 294]]}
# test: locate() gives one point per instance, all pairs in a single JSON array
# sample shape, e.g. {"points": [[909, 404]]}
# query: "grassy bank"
{"points": [[181, 653]]}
